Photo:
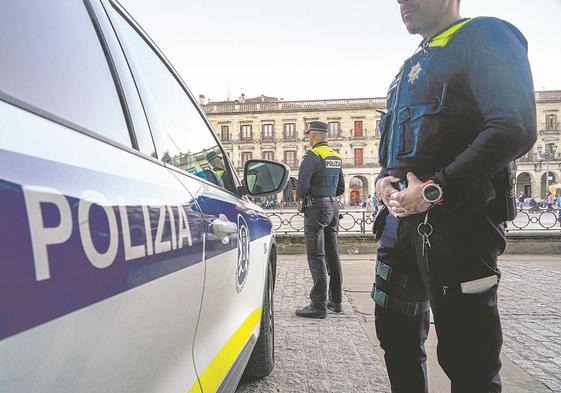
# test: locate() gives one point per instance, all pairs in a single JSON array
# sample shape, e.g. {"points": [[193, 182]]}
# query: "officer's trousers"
{"points": [[321, 225], [465, 246]]}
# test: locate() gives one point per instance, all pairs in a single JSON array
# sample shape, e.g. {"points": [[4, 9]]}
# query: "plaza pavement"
{"points": [[342, 354]]}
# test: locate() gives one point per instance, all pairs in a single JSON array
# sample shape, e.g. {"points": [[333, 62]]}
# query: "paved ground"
{"points": [[531, 316], [341, 353], [330, 355]]}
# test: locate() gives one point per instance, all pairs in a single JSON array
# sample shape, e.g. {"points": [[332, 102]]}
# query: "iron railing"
{"points": [[360, 221]]}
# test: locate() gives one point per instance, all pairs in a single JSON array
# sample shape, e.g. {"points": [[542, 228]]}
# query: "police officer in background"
{"points": [[320, 182], [459, 111], [216, 162]]}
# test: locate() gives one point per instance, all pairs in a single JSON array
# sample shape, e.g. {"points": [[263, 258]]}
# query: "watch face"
{"points": [[432, 193]]}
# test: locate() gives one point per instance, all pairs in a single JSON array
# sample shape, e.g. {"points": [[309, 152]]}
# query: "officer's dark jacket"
{"points": [[461, 108], [321, 173]]}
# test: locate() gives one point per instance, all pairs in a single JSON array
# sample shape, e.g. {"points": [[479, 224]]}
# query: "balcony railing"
{"points": [[365, 162], [292, 164], [283, 106], [554, 128], [310, 105]]}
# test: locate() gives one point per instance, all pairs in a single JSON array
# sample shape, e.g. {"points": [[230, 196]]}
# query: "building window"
{"points": [[246, 156], [289, 131], [245, 132], [378, 127], [551, 122], [290, 158], [334, 129], [225, 133], [358, 129], [267, 133], [359, 156], [269, 155]]}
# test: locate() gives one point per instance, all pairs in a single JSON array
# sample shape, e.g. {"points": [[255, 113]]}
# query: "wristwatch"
{"points": [[432, 192]]}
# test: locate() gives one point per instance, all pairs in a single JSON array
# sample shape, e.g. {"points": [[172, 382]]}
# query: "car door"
{"points": [[237, 238], [101, 248]]}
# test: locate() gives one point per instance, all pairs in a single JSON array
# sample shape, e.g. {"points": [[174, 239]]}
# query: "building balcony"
{"points": [[292, 164], [551, 130], [366, 162]]}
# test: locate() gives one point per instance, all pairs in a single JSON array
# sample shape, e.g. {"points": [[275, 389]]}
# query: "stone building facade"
{"points": [[271, 128], [545, 156]]}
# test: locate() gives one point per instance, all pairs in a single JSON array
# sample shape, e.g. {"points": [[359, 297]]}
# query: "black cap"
{"points": [[316, 126], [212, 155]]}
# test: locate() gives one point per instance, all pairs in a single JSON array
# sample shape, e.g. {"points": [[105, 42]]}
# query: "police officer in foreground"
{"points": [[320, 182], [459, 111]]}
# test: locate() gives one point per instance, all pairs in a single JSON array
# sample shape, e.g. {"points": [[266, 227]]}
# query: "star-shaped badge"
{"points": [[415, 72]]}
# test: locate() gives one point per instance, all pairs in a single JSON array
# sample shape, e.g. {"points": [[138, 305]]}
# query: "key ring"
{"points": [[428, 229]]}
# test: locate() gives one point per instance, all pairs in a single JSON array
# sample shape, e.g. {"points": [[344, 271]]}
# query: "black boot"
{"points": [[311, 311], [335, 307]]}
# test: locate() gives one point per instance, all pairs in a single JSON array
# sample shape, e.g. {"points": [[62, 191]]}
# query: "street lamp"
{"points": [[547, 155]]}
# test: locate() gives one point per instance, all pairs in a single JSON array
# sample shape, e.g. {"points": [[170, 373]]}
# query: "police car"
{"points": [[128, 261]]}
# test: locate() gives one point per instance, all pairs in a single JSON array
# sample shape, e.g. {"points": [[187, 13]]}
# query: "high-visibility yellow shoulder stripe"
{"points": [[216, 371], [325, 151], [444, 38]]}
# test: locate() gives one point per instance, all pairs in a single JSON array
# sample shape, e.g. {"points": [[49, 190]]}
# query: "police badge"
{"points": [[242, 267]]}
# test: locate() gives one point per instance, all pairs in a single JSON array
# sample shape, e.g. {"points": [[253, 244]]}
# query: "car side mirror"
{"points": [[263, 177]]}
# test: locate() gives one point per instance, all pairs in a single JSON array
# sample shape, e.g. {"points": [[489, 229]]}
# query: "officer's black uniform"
{"points": [[321, 179], [459, 111]]}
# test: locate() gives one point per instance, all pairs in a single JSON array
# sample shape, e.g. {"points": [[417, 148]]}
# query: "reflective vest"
{"points": [[325, 177]]}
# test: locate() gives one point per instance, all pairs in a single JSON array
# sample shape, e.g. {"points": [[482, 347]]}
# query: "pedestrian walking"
{"points": [[550, 200], [558, 204], [521, 199], [320, 182], [369, 204], [459, 111], [375, 202]]}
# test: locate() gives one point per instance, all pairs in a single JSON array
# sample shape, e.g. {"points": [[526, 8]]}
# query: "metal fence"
{"points": [[360, 221]]}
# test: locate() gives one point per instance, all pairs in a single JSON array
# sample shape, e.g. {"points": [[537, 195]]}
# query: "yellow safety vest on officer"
{"points": [[320, 181]]}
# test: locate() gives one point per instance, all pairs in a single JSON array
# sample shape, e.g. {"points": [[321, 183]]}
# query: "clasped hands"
{"points": [[402, 203]]}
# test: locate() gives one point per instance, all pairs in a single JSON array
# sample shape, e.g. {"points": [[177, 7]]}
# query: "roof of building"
{"points": [[273, 104]]}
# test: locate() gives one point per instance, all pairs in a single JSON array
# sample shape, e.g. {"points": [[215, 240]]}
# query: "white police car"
{"points": [[131, 259]]}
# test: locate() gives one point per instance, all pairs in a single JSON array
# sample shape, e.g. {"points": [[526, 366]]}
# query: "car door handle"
{"points": [[223, 228]]}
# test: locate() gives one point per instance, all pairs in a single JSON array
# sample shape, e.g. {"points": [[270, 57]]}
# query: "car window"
{"points": [[182, 137], [51, 58]]}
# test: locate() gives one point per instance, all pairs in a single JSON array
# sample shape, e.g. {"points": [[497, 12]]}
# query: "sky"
{"points": [[317, 49]]}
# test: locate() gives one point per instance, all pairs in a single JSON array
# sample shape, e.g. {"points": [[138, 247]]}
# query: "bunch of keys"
{"points": [[424, 229]]}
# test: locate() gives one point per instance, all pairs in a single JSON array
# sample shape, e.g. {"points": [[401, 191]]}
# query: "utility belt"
{"points": [[323, 199], [309, 201]]}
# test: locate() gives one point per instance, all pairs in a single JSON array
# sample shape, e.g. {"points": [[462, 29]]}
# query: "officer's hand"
{"points": [[385, 189], [410, 201]]}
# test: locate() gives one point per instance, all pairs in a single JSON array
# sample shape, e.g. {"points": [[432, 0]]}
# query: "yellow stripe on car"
{"points": [[216, 371]]}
